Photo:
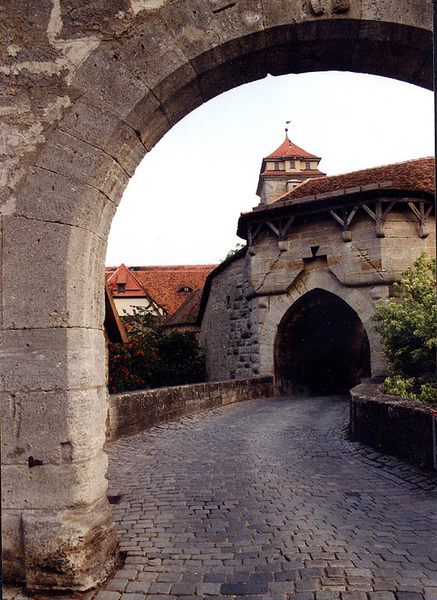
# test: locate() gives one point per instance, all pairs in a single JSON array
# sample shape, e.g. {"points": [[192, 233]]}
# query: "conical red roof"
{"points": [[289, 150]]}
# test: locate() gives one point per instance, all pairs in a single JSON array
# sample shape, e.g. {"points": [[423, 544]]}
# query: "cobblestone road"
{"points": [[266, 500]]}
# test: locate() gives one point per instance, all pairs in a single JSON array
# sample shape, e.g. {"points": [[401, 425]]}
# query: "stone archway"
{"points": [[96, 87], [321, 346]]}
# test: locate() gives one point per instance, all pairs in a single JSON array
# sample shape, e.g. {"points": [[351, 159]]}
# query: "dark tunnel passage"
{"points": [[321, 346]]}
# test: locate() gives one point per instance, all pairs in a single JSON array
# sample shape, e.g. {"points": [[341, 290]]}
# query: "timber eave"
{"points": [[319, 203]]}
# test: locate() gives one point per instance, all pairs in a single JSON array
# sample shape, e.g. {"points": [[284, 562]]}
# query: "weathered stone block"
{"points": [[224, 77], [79, 18], [148, 120], [53, 359], [106, 131], [69, 549], [282, 12], [417, 14], [12, 546], [209, 36], [49, 196], [76, 420], [375, 36], [70, 156], [187, 99], [108, 83], [54, 487], [36, 251], [154, 56]]}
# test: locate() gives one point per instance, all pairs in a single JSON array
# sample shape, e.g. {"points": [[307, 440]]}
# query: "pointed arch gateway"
{"points": [[321, 346]]}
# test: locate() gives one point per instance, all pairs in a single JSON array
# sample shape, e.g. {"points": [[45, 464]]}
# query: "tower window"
{"points": [[308, 166], [121, 288], [276, 166], [292, 164]]}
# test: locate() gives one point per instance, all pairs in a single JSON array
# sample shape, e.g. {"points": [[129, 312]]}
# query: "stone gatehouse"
{"points": [[297, 301]]}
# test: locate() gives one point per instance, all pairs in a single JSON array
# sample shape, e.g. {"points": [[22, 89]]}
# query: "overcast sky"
{"points": [[183, 203]]}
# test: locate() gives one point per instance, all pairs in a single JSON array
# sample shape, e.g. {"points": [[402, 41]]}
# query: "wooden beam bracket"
{"points": [[344, 222], [273, 227], [421, 214], [252, 235]]}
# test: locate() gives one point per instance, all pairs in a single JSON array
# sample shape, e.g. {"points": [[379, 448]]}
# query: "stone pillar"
{"points": [[57, 524]]}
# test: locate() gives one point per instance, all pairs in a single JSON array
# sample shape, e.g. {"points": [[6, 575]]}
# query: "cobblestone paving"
{"points": [[266, 499]]}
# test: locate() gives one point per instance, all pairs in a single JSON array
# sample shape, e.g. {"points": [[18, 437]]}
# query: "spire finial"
{"points": [[286, 128]]}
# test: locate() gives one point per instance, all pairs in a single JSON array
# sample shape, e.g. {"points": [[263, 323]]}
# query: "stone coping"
{"points": [[373, 391], [132, 412], [391, 424]]}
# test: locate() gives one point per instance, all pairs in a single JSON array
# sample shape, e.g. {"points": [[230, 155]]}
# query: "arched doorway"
{"points": [[321, 346]]}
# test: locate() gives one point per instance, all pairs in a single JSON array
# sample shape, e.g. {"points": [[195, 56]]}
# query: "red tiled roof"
{"points": [[289, 150], [297, 174], [413, 175], [163, 284], [122, 275], [188, 311]]}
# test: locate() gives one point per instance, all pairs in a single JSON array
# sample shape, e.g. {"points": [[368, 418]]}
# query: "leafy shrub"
{"points": [[153, 357], [407, 325]]}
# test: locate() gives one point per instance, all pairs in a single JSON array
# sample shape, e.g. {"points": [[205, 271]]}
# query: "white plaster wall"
{"points": [[125, 305]]}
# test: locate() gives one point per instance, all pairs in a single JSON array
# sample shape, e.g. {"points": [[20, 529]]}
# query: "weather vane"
{"points": [[286, 128]]}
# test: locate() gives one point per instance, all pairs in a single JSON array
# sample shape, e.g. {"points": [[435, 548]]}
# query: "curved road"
{"points": [[266, 499]]}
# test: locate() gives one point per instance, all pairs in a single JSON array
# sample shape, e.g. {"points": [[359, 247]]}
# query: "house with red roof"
{"points": [[161, 290], [296, 303], [128, 292]]}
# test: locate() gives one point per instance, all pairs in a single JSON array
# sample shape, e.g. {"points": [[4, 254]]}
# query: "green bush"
{"points": [[407, 325], [153, 357], [155, 361]]}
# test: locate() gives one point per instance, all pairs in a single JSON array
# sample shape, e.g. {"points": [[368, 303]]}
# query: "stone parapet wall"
{"points": [[133, 412], [392, 425]]}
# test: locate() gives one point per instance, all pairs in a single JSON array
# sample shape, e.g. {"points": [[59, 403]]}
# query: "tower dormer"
{"points": [[284, 169]]}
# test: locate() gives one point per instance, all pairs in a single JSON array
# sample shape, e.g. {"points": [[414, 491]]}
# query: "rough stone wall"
{"points": [[229, 326], [364, 261], [87, 88], [401, 244], [272, 188]]}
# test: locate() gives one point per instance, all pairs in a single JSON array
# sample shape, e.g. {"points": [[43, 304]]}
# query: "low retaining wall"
{"points": [[133, 412], [393, 425]]}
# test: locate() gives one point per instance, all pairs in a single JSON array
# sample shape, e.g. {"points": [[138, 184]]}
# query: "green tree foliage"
{"points": [[233, 251], [407, 325], [153, 357]]}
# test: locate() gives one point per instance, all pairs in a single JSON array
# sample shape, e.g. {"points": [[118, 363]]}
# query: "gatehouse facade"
{"points": [[297, 302]]}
